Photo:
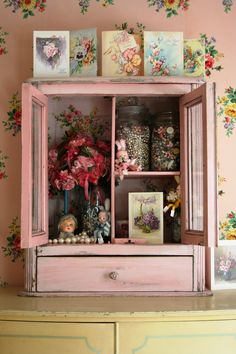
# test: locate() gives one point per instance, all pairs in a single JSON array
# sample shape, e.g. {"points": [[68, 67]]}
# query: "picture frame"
{"points": [[51, 54], [163, 53], [146, 216], [83, 52], [122, 54], [194, 58], [223, 268]]}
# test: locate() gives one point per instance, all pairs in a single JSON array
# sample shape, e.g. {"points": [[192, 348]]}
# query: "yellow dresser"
{"points": [[117, 325]]}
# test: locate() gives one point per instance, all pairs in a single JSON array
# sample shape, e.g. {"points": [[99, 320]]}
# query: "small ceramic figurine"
{"points": [[67, 225], [174, 201], [102, 231]]}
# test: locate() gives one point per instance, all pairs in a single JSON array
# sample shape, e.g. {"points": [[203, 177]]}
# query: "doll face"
{"points": [[68, 226], [102, 217]]}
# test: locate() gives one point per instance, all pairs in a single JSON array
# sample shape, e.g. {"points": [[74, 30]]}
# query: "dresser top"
{"points": [[221, 305]]}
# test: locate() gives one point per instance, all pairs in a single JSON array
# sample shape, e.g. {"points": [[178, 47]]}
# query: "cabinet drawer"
{"points": [[56, 338], [172, 273], [193, 337]]}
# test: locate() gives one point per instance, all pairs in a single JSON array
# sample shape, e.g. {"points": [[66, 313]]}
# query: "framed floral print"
{"points": [[51, 54], [83, 52], [121, 54], [194, 57], [223, 272], [163, 53], [146, 216]]}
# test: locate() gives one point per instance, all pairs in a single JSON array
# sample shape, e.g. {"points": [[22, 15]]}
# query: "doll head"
{"points": [[102, 217], [67, 223]]}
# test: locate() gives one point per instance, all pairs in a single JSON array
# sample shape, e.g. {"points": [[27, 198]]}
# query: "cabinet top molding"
{"points": [[123, 80], [117, 86]]}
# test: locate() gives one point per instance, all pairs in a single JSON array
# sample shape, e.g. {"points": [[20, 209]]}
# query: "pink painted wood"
{"points": [[140, 268], [115, 274], [119, 250], [204, 95], [29, 238]]}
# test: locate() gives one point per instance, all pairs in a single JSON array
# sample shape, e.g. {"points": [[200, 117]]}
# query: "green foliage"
{"points": [[12, 248]]}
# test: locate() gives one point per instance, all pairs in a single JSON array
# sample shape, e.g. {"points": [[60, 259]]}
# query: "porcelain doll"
{"points": [[102, 231], [67, 225]]}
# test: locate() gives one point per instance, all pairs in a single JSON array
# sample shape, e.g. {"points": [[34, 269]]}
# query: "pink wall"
{"points": [[16, 66]]}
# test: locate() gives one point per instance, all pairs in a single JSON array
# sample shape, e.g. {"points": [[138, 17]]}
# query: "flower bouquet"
{"points": [[78, 161]]}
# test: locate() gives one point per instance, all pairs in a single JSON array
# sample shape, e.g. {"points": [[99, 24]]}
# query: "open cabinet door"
{"points": [[198, 167], [34, 191]]}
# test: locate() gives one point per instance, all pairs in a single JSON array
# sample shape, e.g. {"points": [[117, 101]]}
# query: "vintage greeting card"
{"points": [[83, 52], [121, 54], [194, 57], [146, 216], [51, 53], [163, 53]]}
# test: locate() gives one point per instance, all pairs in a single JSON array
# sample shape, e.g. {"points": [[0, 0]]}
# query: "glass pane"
{"points": [[195, 168], [36, 168]]}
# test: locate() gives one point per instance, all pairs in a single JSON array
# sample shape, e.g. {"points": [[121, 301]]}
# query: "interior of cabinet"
{"points": [[143, 181]]}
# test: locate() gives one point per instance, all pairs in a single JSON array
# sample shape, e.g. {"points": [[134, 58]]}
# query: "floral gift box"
{"points": [[51, 53], [121, 54], [194, 57], [83, 52], [163, 53]]}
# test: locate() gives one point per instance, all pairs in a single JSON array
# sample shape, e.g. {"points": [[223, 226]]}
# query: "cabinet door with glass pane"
{"points": [[198, 167]]}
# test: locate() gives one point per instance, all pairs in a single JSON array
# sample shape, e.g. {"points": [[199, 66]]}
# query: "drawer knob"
{"points": [[113, 275]]}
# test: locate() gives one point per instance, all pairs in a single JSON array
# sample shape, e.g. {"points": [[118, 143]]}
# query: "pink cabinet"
{"points": [[126, 264]]}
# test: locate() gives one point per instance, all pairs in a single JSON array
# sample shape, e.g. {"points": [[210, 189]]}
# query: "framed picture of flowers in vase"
{"points": [[146, 216], [223, 272], [51, 54]]}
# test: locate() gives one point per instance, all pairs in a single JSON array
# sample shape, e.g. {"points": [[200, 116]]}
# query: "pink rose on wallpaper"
{"points": [[212, 56], [209, 61]]}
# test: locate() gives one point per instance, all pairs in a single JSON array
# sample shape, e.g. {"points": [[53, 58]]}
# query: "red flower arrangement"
{"points": [[78, 160]]}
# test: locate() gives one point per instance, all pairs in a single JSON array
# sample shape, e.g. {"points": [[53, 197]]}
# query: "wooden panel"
{"points": [[115, 274], [207, 234], [182, 338], [29, 236], [59, 338], [118, 250]]}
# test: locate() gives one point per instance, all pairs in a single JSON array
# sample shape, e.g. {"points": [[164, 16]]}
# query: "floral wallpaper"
{"points": [[171, 7], [3, 158], [3, 34], [19, 18], [13, 121], [26, 7], [227, 110]]}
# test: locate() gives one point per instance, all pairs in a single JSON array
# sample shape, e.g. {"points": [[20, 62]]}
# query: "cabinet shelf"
{"points": [[150, 174]]}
